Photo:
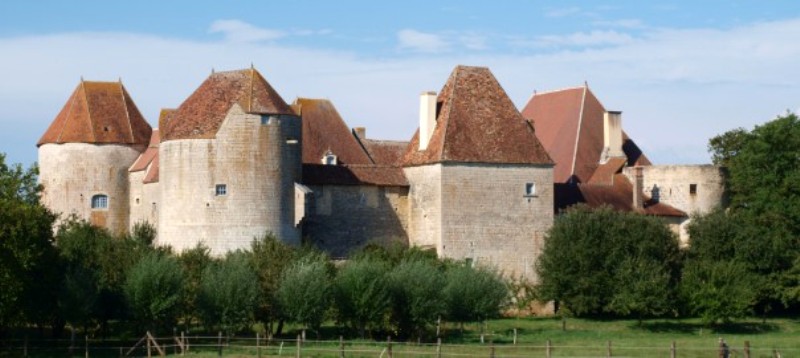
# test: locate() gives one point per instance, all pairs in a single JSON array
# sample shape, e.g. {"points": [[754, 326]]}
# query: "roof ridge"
{"points": [[449, 110], [88, 111], [578, 134], [71, 104], [127, 112]]}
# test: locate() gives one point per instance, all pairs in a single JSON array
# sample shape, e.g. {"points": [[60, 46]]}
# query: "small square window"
{"points": [[530, 189], [692, 189], [221, 190], [100, 201]]}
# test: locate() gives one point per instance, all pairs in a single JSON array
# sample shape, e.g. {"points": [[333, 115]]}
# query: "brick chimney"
{"points": [[638, 188], [612, 134], [360, 132], [427, 118]]}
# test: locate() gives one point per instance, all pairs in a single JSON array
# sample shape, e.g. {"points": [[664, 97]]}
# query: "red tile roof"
{"points": [[201, 115], [380, 175], [324, 130], [618, 195], [149, 154], [569, 124], [384, 152], [478, 123], [152, 173], [99, 113]]}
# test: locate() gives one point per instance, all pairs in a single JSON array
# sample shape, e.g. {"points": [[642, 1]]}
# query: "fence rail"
{"points": [[259, 346]]}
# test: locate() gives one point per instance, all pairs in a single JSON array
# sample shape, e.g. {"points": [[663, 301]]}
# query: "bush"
{"points": [[417, 300], [474, 294], [361, 293], [304, 291], [228, 294], [154, 290]]}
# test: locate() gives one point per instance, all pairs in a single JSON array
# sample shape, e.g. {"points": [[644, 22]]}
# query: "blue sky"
{"points": [[680, 71]]}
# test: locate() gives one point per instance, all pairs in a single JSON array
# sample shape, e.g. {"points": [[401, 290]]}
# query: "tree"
{"points": [[718, 291], [194, 262], [474, 294], [229, 293], [416, 295], [269, 257], [154, 288], [304, 291], [361, 293], [601, 261], [764, 168]]}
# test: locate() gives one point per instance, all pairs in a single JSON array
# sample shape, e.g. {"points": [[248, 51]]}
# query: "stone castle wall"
{"points": [[258, 160], [143, 200], [346, 217], [425, 206], [488, 217], [72, 173]]}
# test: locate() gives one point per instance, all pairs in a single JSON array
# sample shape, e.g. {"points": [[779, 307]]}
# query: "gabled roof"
{"points": [[324, 130], [478, 123], [98, 113], [569, 124], [149, 154], [202, 114], [384, 152]]}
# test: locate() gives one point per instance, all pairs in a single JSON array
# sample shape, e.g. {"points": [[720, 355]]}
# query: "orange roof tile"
{"points": [[478, 123], [569, 124], [324, 130], [201, 115], [149, 154], [100, 113], [384, 152], [152, 173], [618, 195]]}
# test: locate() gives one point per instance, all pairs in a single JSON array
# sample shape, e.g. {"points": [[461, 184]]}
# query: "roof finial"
{"points": [[212, 70], [251, 66], [535, 91], [119, 79], [81, 78], [586, 83]]}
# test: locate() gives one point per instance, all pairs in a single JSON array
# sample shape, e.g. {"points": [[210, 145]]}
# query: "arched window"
{"points": [[100, 201]]}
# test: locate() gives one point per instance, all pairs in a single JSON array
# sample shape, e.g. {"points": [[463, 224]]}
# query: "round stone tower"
{"points": [[85, 154], [229, 158]]}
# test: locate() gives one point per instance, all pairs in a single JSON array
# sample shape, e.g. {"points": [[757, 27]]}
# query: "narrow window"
{"points": [[692, 189], [100, 201], [221, 190], [530, 189]]}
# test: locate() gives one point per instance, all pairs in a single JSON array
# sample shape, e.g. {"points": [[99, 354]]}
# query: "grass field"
{"points": [[581, 338]]}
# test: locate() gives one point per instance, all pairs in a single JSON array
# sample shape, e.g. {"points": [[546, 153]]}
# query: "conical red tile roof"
{"points": [[202, 114], [98, 112]]}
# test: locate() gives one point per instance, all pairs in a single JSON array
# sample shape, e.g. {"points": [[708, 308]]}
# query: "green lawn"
{"points": [[582, 338]]}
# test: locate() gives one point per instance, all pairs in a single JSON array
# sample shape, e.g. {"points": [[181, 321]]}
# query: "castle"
{"points": [[479, 180]]}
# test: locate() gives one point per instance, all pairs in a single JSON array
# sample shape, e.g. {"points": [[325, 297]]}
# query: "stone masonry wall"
{"points": [[346, 217], [425, 206], [143, 200], [257, 158], [488, 217], [72, 173]]}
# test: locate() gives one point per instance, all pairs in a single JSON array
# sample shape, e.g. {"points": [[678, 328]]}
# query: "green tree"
{"points": [[304, 291], [416, 296], [764, 169], [28, 265], [269, 257], [153, 290], [474, 294], [194, 262], [601, 261], [361, 293], [229, 293], [718, 291]]}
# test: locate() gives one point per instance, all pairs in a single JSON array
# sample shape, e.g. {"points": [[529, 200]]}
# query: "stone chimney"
{"points": [[427, 118], [612, 134], [638, 188], [360, 132]]}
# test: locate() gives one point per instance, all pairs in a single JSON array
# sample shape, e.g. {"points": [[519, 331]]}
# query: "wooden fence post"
{"points": [[299, 342], [389, 346], [219, 343], [183, 344], [608, 353], [25, 347], [672, 350], [438, 348], [341, 347], [86, 346], [258, 346], [548, 350], [746, 349], [491, 349], [515, 336], [149, 347]]}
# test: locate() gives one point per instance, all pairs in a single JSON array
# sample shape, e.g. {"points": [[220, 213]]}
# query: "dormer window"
{"points": [[100, 201], [329, 158]]}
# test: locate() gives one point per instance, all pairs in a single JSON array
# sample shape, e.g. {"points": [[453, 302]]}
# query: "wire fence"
{"points": [[222, 346]]}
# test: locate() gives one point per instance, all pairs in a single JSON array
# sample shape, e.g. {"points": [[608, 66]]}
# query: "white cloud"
{"points": [[677, 88], [621, 23], [418, 41], [240, 31], [584, 39], [474, 41]]}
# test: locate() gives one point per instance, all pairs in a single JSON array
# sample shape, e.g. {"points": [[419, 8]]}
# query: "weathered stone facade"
{"points": [[257, 160], [73, 173]]}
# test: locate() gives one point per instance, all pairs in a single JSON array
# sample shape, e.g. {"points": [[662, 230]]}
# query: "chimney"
{"points": [[638, 188], [612, 134], [360, 132], [427, 118]]}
